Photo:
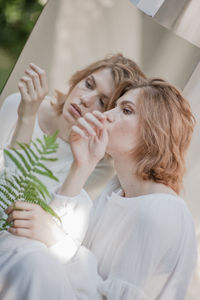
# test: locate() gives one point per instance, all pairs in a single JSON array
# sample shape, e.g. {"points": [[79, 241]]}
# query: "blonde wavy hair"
{"points": [[166, 124], [121, 68]]}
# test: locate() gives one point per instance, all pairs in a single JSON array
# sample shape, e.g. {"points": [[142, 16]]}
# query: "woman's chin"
{"points": [[69, 118]]}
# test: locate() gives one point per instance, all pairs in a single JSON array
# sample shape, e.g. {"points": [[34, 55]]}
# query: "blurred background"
{"points": [[17, 19]]}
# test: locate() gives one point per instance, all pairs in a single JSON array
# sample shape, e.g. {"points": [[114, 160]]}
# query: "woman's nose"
{"points": [[109, 115], [87, 100]]}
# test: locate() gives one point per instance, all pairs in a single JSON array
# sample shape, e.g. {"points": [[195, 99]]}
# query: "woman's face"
{"points": [[122, 125], [91, 93]]}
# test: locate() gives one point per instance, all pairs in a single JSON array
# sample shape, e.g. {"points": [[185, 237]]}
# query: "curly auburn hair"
{"points": [[166, 124], [121, 68]]}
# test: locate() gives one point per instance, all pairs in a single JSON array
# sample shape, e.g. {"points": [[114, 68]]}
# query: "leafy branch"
{"points": [[23, 183]]}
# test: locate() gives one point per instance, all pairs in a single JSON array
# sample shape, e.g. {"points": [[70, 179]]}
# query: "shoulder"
{"points": [[165, 213]]}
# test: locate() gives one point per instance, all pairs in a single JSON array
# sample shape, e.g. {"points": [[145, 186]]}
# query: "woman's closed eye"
{"points": [[101, 102], [127, 110], [89, 83]]}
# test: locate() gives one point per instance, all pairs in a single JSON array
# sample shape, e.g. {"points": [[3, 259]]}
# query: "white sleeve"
{"points": [[8, 118], [74, 213]]}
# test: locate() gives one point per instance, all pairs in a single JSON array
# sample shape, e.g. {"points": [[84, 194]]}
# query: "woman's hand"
{"points": [[88, 139], [31, 221], [33, 89]]}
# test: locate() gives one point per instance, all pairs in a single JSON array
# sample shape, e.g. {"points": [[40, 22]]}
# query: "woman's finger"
{"points": [[99, 115], [103, 136], [86, 126], [93, 120], [29, 85], [19, 215], [35, 79], [20, 205], [25, 232], [23, 90], [79, 131], [41, 73], [21, 224]]}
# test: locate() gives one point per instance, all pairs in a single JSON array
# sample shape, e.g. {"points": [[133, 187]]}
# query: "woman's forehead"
{"points": [[131, 95], [103, 81]]}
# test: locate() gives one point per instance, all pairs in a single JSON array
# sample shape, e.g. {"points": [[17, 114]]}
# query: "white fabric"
{"points": [[101, 175], [140, 248], [74, 212]]}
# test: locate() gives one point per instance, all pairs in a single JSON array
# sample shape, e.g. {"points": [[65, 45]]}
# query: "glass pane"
{"points": [[17, 19]]}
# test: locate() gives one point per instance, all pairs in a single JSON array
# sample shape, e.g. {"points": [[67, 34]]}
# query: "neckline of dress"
{"points": [[117, 197]]}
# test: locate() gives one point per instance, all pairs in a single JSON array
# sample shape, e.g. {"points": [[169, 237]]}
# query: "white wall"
{"points": [[182, 17]]}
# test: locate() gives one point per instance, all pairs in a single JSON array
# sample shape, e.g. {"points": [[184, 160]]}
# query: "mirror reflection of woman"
{"points": [[29, 114], [140, 243]]}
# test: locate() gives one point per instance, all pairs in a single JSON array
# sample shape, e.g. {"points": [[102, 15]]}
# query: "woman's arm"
{"points": [[88, 143], [33, 88]]}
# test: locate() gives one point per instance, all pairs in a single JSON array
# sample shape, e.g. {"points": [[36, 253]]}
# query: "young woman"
{"points": [[140, 243], [30, 114]]}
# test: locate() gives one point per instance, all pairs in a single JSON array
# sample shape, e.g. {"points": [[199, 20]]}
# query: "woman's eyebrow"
{"points": [[126, 102]]}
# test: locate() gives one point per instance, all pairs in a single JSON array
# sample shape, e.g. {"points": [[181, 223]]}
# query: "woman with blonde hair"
{"points": [[140, 243]]}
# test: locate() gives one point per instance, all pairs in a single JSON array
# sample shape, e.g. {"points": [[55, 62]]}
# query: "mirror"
{"points": [[71, 34], [16, 22]]}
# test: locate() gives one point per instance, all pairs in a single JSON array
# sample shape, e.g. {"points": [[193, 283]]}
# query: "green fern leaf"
{"points": [[37, 148], [49, 159], [34, 154], [24, 184], [9, 189], [16, 162], [40, 186], [26, 151], [47, 208], [38, 171], [13, 184]]}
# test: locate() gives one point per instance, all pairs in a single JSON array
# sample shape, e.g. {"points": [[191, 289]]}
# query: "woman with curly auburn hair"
{"points": [[140, 243], [164, 136]]}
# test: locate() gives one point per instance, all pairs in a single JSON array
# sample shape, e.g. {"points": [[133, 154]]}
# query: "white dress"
{"points": [[74, 216], [140, 248]]}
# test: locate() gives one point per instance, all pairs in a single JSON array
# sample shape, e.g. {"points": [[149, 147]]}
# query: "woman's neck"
{"points": [[49, 121], [134, 186]]}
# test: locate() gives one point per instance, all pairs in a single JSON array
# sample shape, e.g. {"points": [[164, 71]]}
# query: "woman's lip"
{"points": [[75, 110]]}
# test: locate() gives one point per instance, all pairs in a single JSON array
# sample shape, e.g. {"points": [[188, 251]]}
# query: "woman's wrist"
{"points": [[76, 179], [23, 131], [24, 120]]}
